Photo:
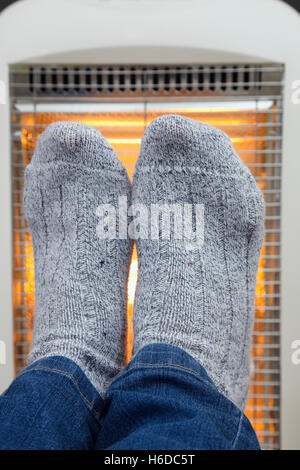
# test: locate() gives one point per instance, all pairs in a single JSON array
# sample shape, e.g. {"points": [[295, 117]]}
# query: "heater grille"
{"points": [[136, 81], [243, 100]]}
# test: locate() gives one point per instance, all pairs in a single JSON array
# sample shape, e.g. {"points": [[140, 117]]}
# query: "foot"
{"points": [[200, 297], [80, 279]]}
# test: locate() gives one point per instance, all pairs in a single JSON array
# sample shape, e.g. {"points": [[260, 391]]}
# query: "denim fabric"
{"points": [[162, 400], [50, 405]]}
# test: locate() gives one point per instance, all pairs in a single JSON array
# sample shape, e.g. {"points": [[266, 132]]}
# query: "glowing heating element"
{"points": [[252, 127]]}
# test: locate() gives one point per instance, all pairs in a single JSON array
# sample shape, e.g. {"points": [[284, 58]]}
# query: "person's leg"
{"points": [[80, 283], [164, 400], [50, 405], [73, 178], [199, 295], [196, 295]]}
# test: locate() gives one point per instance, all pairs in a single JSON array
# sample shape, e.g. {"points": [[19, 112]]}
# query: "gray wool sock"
{"points": [[201, 300], [80, 279]]}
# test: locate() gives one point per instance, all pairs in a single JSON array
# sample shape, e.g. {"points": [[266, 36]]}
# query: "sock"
{"points": [[80, 278], [202, 299]]}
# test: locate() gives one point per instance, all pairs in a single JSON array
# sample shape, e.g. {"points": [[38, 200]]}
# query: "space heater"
{"points": [[117, 65]]}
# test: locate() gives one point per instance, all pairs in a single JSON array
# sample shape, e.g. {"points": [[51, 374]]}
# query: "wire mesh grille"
{"points": [[246, 102], [136, 81]]}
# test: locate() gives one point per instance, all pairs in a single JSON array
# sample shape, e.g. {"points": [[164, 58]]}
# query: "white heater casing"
{"points": [[165, 32]]}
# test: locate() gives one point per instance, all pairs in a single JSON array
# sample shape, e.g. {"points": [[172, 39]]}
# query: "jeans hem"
{"points": [[68, 365], [139, 365]]}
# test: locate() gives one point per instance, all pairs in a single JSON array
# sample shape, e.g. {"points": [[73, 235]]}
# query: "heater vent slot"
{"points": [[135, 81], [121, 100]]}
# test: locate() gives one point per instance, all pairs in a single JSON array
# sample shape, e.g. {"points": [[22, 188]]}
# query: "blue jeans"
{"points": [[162, 400]]}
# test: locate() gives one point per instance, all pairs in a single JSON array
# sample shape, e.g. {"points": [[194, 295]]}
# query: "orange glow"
{"points": [[132, 277], [132, 280], [124, 131]]}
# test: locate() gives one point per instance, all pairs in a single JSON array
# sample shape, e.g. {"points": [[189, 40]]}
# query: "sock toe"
{"points": [[75, 143], [176, 141]]}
